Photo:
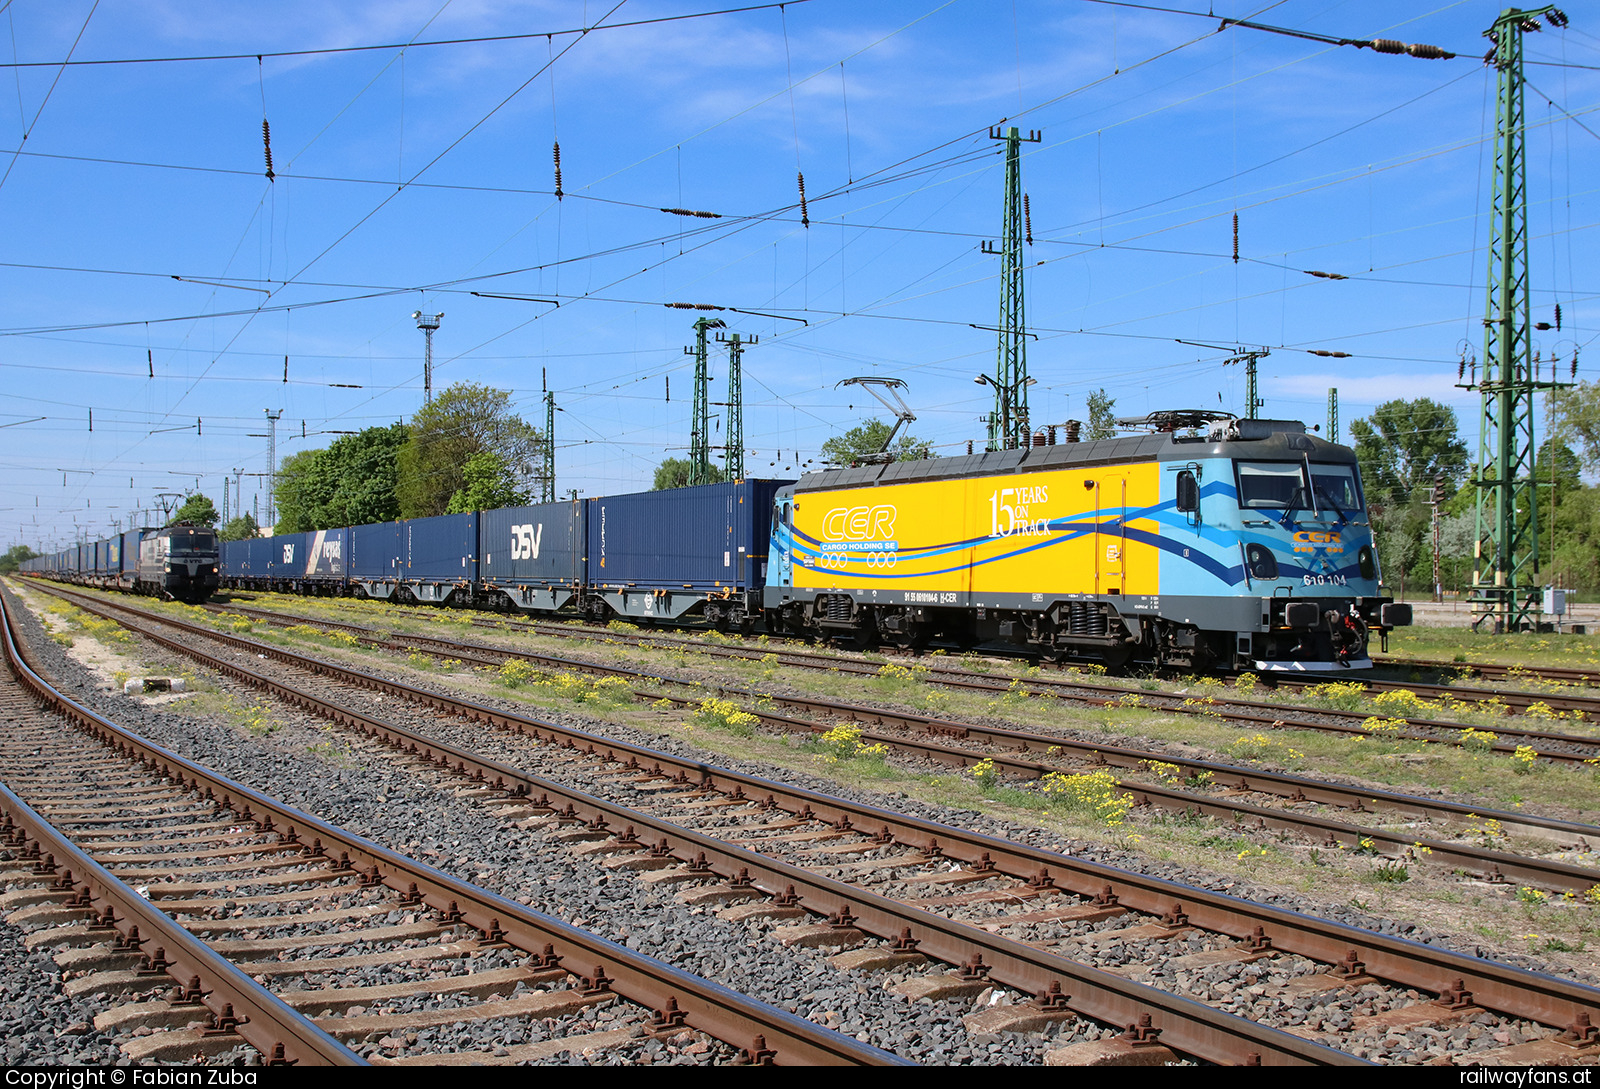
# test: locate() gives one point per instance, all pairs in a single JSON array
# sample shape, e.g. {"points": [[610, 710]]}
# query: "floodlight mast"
{"points": [[902, 414], [427, 323]]}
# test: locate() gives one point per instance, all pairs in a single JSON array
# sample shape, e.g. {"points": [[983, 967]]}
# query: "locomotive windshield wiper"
{"points": [[1297, 501], [1344, 518]]}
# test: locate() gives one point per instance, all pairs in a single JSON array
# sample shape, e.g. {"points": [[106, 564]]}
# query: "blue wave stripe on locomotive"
{"points": [[1184, 547]]}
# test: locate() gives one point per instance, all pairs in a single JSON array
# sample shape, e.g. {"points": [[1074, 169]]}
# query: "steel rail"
{"points": [[704, 1005], [264, 1021], [1496, 669], [1254, 713], [1185, 1024], [1296, 788], [1497, 867], [1509, 700], [1531, 995]]}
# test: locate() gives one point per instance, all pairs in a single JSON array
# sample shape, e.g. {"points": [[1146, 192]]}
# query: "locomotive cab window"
{"points": [[1336, 486], [1272, 485], [193, 542]]}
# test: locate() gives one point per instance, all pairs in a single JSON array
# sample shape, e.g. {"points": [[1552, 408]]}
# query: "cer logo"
{"points": [[859, 523]]}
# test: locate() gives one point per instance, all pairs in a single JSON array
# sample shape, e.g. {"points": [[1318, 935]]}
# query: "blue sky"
{"points": [[409, 179]]}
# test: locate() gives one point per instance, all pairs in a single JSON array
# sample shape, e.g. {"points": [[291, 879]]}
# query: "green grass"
{"points": [[1519, 648]]}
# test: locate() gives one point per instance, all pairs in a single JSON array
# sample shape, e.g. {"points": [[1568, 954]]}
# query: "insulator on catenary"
{"points": [[692, 212], [1027, 219], [266, 145], [559, 194], [1420, 50], [692, 306], [150, 358], [1236, 238], [1461, 369], [1325, 352], [805, 216], [1558, 317], [1325, 275]]}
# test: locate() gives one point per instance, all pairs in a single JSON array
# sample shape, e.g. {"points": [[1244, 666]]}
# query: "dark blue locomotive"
{"points": [[178, 563]]}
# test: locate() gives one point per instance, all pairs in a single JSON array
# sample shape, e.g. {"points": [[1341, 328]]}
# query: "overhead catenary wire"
{"points": [[61, 70], [775, 219], [485, 39]]}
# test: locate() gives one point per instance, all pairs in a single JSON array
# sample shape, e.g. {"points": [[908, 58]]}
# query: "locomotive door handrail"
{"points": [[1095, 548], [1122, 540]]}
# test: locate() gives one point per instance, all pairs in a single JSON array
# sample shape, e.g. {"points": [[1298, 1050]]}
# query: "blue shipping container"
{"points": [[534, 555], [326, 553], [441, 555], [668, 553], [375, 559]]}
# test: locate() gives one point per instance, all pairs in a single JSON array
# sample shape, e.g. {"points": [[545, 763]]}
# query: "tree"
{"points": [[1578, 413], [869, 438], [15, 557], [1404, 446], [672, 473], [486, 485], [196, 509], [351, 483], [299, 491], [1102, 422], [464, 420], [239, 529], [1576, 535]]}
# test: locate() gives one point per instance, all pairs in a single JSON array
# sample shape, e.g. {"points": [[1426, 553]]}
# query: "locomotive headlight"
{"points": [[1263, 564], [1367, 563]]}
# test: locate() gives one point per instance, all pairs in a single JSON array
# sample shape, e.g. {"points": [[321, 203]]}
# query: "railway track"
{"points": [[1553, 745], [760, 825], [1286, 801], [234, 926], [1495, 670], [1457, 691]]}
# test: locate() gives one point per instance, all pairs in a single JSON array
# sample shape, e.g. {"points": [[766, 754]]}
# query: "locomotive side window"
{"points": [[1275, 485]]}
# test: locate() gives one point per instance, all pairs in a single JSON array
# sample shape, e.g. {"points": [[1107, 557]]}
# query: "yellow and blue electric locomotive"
{"points": [[1211, 542]]}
